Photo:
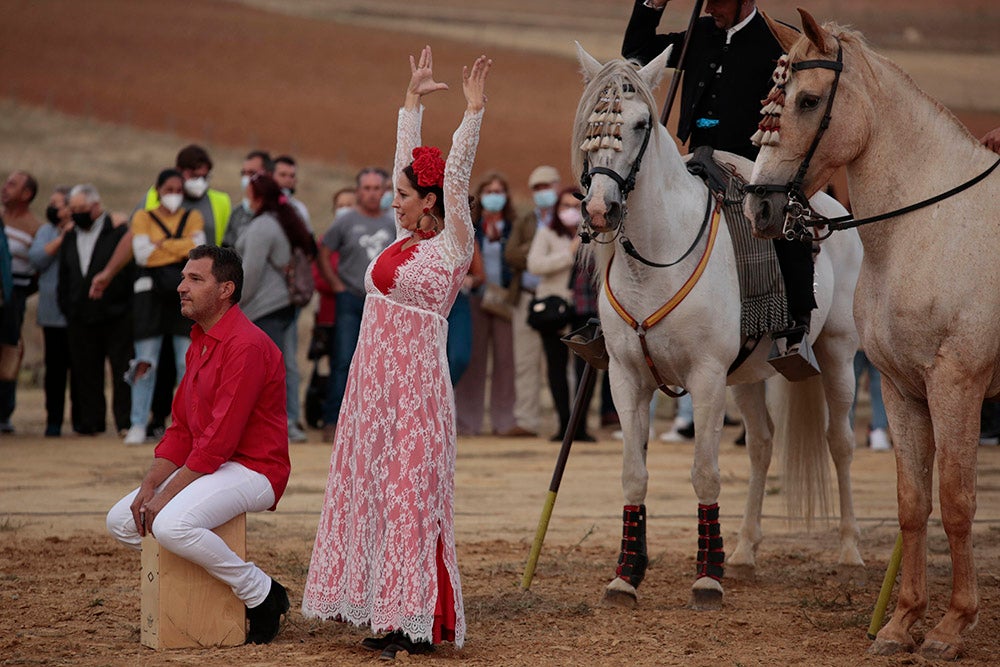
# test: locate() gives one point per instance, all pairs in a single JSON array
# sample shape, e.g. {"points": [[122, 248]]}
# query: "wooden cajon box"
{"points": [[185, 607]]}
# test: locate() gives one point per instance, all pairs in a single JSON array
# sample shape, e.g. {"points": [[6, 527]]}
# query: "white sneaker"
{"points": [[878, 440], [296, 435], [676, 432], [136, 436]]}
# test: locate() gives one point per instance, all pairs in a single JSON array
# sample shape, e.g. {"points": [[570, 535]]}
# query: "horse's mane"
{"points": [[850, 37], [614, 75]]}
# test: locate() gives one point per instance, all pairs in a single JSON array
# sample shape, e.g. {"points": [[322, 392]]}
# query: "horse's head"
{"points": [[816, 86], [614, 124]]}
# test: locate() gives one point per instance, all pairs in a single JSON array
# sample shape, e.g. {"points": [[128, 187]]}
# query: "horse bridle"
{"points": [[797, 211], [798, 214], [626, 185]]}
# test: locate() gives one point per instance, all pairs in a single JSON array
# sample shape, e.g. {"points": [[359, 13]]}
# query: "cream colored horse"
{"points": [[928, 298]]}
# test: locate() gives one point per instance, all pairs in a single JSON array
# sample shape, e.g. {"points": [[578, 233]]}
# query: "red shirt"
{"points": [[230, 405]]}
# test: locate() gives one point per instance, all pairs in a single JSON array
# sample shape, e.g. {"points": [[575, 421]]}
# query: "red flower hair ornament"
{"points": [[428, 165]]}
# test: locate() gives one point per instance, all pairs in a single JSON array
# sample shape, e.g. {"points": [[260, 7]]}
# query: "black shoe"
{"points": [[401, 642], [731, 421], [686, 431], [380, 643], [53, 431], [741, 440], [265, 619], [585, 437]]}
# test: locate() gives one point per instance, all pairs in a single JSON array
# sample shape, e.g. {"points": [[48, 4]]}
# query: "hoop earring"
{"points": [[429, 233]]}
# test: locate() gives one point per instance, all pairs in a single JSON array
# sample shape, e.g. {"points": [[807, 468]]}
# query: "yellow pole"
{"points": [[887, 583], [536, 547]]}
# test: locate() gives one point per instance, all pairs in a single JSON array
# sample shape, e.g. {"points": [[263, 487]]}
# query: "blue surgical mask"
{"points": [[386, 200], [493, 201], [545, 198]]}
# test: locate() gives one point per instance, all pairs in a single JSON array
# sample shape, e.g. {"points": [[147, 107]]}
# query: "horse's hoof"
{"points": [[889, 647], [741, 572], [706, 595], [620, 594], [934, 650]]}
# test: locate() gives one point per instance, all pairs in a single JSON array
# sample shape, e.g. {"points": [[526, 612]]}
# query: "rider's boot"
{"points": [[791, 355]]}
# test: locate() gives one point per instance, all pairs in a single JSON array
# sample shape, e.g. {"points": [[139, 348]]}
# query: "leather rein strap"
{"points": [[642, 327], [799, 212]]}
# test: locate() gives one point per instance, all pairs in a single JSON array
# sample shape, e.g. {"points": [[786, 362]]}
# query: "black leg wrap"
{"points": [[711, 556], [632, 560]]}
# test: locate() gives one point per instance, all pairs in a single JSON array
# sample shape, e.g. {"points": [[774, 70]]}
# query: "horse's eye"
{"points": [[640, 126], [808, 102]]}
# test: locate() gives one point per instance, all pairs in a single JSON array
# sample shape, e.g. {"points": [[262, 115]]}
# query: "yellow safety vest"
{"points": [[221, 208]]}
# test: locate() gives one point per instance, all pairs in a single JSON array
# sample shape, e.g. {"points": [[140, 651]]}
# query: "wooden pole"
{"points": [[578, 414], [887, 583], [675, 81]]}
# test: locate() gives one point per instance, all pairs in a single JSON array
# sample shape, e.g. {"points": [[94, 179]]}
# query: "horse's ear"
{"points": [[814, 32], [784, 33], [653, 71], [589, 66]]}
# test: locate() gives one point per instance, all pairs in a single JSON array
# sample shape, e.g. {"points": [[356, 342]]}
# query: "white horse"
{"points": [[927, 303], [695, 344]]}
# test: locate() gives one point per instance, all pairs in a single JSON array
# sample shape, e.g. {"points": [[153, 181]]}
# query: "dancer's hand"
{"points": [[474, 82], [422, 76]]}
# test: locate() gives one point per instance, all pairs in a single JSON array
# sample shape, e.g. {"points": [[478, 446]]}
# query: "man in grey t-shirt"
{"points": [[358, 237]]}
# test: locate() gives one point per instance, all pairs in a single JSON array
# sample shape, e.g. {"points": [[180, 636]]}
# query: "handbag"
{"points": [[495, 302], [549, 314]]}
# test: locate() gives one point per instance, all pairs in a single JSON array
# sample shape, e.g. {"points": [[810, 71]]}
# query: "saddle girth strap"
{"points": [[642, 327], [711, 556], [632, 560]]}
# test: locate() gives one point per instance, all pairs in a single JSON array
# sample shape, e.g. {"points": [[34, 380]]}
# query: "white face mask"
{"points": [[172, 202], [571, 217], [546, 198], [196, 187], [341, 211], [244, 182]]}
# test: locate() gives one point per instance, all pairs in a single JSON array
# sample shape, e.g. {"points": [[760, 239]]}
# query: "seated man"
{"points": [[226, 451]]}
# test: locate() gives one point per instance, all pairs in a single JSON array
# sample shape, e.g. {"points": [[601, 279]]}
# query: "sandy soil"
{"points": [[71, 596], [325, 85]]}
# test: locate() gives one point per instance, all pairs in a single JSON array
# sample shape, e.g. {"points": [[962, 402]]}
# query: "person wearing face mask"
{"points": [[492, 333], [99, 328], [552, 257], [161, 241], [44, 256], [214, 206], [286, 176], [256, 162], [528, 357], [18, 192]]}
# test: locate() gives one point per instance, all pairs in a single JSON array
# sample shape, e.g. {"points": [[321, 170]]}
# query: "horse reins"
{"points": [[798, 213]]}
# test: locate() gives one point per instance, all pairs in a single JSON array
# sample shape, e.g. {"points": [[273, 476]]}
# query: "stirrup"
{"points": [[587, 342], [795, 360]]}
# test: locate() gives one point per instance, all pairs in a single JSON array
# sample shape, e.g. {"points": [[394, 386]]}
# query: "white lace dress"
{"points": [[388, 518]]}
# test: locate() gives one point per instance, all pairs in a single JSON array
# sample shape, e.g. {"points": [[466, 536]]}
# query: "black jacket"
{"points": [[732, 97], [73, 289]]}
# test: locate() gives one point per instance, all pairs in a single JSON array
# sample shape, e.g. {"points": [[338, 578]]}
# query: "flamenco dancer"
{"points": [[384, 554]]}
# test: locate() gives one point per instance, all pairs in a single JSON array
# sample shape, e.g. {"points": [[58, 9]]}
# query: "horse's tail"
{"points": [[800, 427]]}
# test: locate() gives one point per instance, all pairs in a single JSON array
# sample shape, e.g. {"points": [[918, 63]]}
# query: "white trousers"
{"points": [[529, 367], [184, 526]]}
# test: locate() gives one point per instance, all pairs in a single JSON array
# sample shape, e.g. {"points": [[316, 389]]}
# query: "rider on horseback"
{"points": [[731, 56]]}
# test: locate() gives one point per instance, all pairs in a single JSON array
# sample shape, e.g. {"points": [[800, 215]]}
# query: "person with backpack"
{"points": [[161, 240], [277, 249]]}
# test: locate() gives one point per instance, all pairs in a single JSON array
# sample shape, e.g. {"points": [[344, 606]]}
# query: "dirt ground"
{"points": [[106, 91], [70, 595]]}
